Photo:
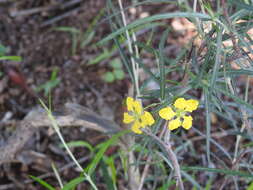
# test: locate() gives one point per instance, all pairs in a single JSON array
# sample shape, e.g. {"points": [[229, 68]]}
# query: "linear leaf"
{"points": [[92, 166], [216, 170], [10, 58], [42, 182], [73, 183], [151, 19], [161, 63]]}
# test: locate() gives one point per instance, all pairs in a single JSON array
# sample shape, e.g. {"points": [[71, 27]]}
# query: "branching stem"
{"points": [[170, 153]]}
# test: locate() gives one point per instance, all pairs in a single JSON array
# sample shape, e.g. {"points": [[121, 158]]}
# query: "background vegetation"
{"points": [[155, 51]]}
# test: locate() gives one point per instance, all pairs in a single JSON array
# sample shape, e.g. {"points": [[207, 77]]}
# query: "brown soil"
{"points": [[43, 50]]}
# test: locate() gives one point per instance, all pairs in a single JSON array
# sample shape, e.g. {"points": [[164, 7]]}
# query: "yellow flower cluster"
{"points": [[137, 116], [177, 115]]}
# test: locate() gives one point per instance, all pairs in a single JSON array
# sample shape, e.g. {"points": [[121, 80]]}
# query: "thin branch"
{"points": [[147, 165], [130, 48], [171, 155]]}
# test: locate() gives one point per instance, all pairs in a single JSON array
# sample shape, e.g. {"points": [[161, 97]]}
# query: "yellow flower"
{"points": [[137, 116], [178, 114]]}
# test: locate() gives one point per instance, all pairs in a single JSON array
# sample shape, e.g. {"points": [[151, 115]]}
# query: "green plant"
{"points": [[3, 51], [68, 186], [204, 72], [207, 69], [49, 85], [117, 72]]}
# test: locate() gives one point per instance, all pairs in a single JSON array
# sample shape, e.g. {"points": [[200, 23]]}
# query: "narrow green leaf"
{"points": [[154, 18], [79, 144], [42, 182], [217, 59], [161, 63], [87, 39], [241, 4], [105, 55], [233, 73], [73, 183], [92, 166], [125, 59], [111, 162], [106, 176], [235, 98], [209, 184], [10, 58], [191, 179], [67, 29], [208, 123], [216, 170]]}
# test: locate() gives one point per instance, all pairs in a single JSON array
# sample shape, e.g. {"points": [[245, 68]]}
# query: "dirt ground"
{"points": [[44, 50]]}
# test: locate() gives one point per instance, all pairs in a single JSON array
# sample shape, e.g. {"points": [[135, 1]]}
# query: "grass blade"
{"points": [[152, 19], [220, 171], [73, 183], [161, 63], [92, 166], [42, 182]]}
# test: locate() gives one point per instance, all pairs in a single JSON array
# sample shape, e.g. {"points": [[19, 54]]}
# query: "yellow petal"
{"points": [[147, 118], [191, 105], [129, 103], [136, 127], [187, 123], [137, 107], [128, 118], [180, 103], [174, 124], [167, 113]]}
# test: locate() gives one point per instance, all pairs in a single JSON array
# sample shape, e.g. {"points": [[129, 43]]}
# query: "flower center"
{"points": [[180, 113], [136, 116]]}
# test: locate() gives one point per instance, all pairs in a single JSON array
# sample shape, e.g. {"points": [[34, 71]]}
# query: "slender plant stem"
{"points": [[57, 175], [173, 158], [57, 130], [147, 165], [130, 48], [171, 155], [245, 122]]}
